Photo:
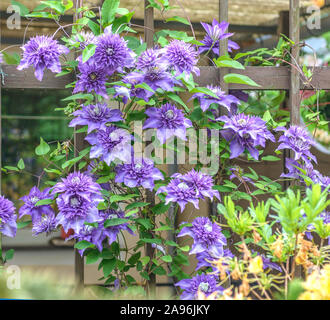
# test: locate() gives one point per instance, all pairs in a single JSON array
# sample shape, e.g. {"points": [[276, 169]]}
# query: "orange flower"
{"points": [[277, 247], [319, 3]]}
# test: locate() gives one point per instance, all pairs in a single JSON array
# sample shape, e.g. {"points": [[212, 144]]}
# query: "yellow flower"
{"points": [[317, 285], [256, 265]]}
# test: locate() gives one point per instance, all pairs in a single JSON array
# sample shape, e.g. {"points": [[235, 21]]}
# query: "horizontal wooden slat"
{"points": [[26, 79], [269, 78]]}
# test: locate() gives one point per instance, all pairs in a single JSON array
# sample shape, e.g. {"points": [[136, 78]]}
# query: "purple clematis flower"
{"points": [[222, 99], [206, 235], [112, 52], [45, 224], [141, 172], [182, 57], [78, 184], [168, 120], [1, 58], [110, 144], [215, 33], [8, 226], [42, 52], [297, 139], [77, 202], [203, 184], [30, 208], [95, 116], [180, 192], [245, 132], [94, 235], [112, 232], [75, 212], [151, 59], [206, 283], [208, 259], [92, 78], [133, 79], [97, 235]]}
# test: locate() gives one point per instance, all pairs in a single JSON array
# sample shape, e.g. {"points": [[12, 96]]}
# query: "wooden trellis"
{"points": [[269, 78]]}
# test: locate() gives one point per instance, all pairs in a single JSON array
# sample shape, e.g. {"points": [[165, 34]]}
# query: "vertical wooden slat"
{"points": [[149, 39], [78, 146], [294, 97], [223, 45], [223, 50], [148, 24]]}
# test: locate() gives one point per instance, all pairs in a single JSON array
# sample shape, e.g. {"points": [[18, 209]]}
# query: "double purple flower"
{"points": [[245, 132], [8, 225], [29, 207], [110, 144], [205, 283], [77, 202], [141, 172], [214, 34], [207, 236], [190, 187], [299, 141], [222, 99], [42, 52], [168, 120], [95, 116]]}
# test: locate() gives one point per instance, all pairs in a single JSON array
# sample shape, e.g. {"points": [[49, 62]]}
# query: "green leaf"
{"points": [[92, 256], [42, 149], [160, 208], [88, 52], [117, 197], [185, 248], [80, 96], [108, 266], [145, 86], [134, 258], [43, 202], [159, 271], [145, 260], [23, 10], [23, 224], [21, 164], [136, 205], [56, 5], [171, 243], [146, 223], [205, 91], [270, 158], [114, 222], [228, 62], [156, 241], [45, 15], [178, 19], [11, 168], [108, 11], [144, 275], [239, 78], [167, 258], [83, 244], [177, 99], [9, 254], [11, 59]]}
